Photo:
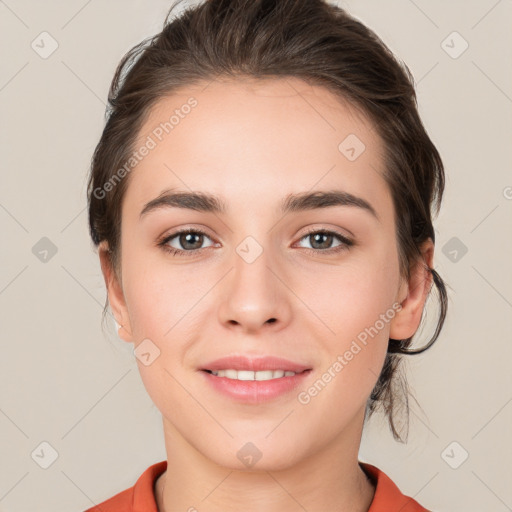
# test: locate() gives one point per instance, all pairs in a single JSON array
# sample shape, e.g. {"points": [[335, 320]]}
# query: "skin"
{"points": [[252, 143]]}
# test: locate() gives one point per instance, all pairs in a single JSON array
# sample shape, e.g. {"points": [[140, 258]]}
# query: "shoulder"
{"points": [[387, 493], [138, 498], [120, 502]]}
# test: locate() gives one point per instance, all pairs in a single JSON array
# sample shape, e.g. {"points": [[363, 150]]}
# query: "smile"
{"points": [[249, 375]]}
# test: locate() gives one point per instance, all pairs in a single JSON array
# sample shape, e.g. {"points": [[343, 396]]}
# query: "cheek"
{"points": [[355, 355], [157, 293], [362, 299], [160, 308], [357, 304], [353, 295]]}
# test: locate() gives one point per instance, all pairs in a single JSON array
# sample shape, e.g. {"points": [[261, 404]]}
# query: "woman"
{"points": [[261, 202]]}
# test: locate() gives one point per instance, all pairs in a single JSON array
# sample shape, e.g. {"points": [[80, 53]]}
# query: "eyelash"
{"points": [[345, 242]]}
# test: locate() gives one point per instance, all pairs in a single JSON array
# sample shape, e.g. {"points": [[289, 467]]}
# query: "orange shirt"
{"points": [[140, 497]]}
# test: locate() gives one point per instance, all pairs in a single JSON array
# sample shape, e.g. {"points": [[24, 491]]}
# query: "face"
{"points": [[316, 284]]}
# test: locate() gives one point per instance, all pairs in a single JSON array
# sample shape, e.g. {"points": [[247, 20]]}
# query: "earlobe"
{"points": [[123, 331], [407, 320], [115, 293]]}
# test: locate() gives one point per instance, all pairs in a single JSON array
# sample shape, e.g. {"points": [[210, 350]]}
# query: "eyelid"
{"points": [[186, 229], [324, 229]]}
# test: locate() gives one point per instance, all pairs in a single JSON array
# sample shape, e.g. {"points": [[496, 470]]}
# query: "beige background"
{"points": [[66, 383]]}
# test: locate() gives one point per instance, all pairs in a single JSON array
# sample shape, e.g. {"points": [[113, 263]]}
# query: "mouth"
{"points": [[248, 375]]}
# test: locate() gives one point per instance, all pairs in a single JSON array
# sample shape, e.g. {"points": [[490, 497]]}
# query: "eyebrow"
{"points": [[303, 201]]}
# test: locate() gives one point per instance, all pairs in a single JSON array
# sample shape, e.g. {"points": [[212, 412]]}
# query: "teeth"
{"points": [[248, 375]]}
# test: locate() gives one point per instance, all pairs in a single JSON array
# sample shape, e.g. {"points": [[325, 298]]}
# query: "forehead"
{"points": [[252, 139]]}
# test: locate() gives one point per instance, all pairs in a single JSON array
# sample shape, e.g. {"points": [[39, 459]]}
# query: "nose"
{"points": [[255, 296]]}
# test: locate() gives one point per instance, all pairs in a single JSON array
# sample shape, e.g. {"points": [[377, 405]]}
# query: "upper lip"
{"points": [[255, 364]]}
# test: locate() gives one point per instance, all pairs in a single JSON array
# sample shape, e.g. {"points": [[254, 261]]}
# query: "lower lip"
{"points": [[255, 391]]}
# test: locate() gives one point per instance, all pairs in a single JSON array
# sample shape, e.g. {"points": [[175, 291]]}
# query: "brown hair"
{"points": [[308, 39]]}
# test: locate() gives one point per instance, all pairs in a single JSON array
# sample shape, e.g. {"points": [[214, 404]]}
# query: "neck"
{"points": [[328, 479]]}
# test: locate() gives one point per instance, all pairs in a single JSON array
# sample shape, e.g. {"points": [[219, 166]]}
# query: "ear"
{"points": [[115, 293], [413, 295]]}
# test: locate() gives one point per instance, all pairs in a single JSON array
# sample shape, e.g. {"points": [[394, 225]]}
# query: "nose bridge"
{"points": [[254, 294]]}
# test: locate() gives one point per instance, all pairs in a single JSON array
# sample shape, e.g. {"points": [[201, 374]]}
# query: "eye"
{"points": [[321, 241], [190, 239]]}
